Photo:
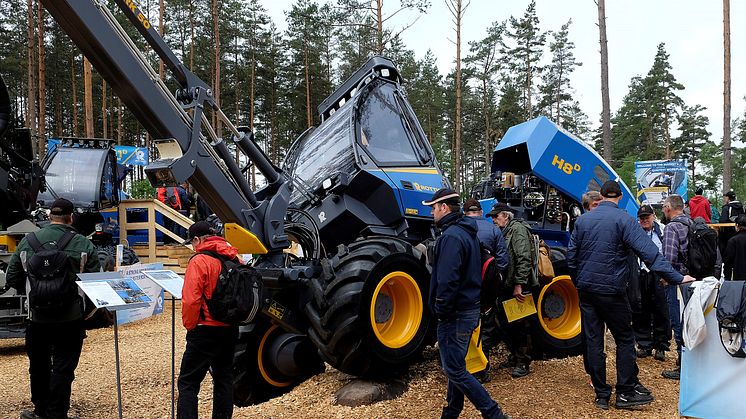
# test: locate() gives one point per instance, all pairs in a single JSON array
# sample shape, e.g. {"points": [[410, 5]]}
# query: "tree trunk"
{"points": [[32, 89], [42, 139], [119, 121], [191, 38], [162, 31], [529, 76], [104, 113], [309, 115], [216, 86], [74, 83], [727, 158], [487, 142], [667, 131], [457, 10], [58, 125], [605, 107], [88, 98], [379, 26]]}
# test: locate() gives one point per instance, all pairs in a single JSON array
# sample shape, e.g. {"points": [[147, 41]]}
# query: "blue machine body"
{"points": [[558, 158]]}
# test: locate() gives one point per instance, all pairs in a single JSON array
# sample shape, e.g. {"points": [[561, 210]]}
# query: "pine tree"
{"points": [[483, 65], [694, 135], [556, 90], [526, 47], [664, 103]]}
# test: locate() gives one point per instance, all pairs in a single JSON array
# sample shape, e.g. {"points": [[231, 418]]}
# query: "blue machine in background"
{"points": [[541, 171]]}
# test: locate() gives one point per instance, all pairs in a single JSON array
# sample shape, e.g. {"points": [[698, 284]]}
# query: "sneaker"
{"points": [[29, 414], [660, 355], [632, 399], [672, 374], [641, 389], [601, 403], [519, 371], [644, 353]]}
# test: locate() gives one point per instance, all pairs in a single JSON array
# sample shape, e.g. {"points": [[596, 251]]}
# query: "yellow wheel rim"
{"points": [[559, 308], [396, 309], [260, 360]]}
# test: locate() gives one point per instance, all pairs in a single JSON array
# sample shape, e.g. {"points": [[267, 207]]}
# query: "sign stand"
{"points": [[112, 292], [116, 356], [172, 283], [173, 352]]}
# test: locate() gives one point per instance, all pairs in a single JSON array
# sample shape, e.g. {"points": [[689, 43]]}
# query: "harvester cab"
{"points": [[542, 172]]}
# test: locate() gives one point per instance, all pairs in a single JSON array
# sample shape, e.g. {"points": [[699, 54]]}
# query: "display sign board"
{"points": [[115, 294], [170, 281], [657, 179], [153, 291]]}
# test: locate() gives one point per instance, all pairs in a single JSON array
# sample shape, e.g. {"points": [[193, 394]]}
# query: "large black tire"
{"points": [[255, 383], [368, 313]]}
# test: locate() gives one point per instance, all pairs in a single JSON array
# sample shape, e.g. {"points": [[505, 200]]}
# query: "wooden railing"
{"points": [[153, 206]]}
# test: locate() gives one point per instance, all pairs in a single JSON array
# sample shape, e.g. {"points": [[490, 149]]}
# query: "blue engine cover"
{"points": [[413, 185]]}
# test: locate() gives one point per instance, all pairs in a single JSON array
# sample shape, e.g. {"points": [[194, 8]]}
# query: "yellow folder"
{"points": [[475, 359], [515, 310]]}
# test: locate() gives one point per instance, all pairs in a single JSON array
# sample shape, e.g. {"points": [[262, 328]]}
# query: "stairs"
{"points": [[173, 257]]}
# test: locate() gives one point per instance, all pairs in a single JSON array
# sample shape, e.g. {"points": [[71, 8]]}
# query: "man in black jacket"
{"points": [[735, 252], [597, 258], [732, 209], [455, 287]]}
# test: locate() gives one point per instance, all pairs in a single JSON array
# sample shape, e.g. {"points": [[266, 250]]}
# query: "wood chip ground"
{"points": [[556, 388]]}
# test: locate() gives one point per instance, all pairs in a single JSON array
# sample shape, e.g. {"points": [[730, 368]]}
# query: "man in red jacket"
{"points": [[699, 206], [210, 343]]}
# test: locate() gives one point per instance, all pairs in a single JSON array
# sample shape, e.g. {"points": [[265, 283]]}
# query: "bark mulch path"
{"points": [[555, 388]]}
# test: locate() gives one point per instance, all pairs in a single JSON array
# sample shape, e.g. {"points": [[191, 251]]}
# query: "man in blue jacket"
{"points": [[491, 237], [455, 287], [597, 257]]}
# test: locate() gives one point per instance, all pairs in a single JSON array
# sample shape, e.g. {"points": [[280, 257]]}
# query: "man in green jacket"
{"points": [[520, 281], [54, 337]]}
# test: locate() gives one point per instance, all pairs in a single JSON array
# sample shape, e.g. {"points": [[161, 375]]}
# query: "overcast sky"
{"points": [[691, 29]]}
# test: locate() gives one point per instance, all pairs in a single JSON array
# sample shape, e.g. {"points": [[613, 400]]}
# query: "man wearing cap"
{"points": [[597, 257], [520, 280], [651, 322], [728, 214], [735, 252], [455, 287], [492, 238], [54, 339], [209, 343]]}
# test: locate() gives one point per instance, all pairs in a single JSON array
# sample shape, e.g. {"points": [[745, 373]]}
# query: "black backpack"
{"points": [[731, 316], [492, 280], [48, 272], [237, 295], [702, 249]]}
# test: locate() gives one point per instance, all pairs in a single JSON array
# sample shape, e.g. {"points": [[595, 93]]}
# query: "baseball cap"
{"points": [[610, 189], [498, 208], [472, 204], [645, 210], [199, 229], [730, 194], [62, 206], [445, 195], [741, 220]]}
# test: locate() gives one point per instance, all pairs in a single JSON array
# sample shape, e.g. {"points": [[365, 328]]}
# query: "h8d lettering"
{"points": [[565, 166]]}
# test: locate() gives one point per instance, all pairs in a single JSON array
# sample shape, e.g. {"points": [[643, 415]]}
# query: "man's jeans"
{"points": [[207, 347], [453, 340], [614, 311], [674, 314]]}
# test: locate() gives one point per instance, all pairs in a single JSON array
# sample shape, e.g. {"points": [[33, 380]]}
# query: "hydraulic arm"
{"points": [[204, 159]]}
